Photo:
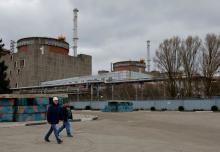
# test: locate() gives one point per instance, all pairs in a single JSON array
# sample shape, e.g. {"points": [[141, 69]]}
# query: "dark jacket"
{"points": [[65, 114], [53, 114]]}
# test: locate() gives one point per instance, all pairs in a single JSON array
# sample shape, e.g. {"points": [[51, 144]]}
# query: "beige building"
{"points": [[41, 59]]}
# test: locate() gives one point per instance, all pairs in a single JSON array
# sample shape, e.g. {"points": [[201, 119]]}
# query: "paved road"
{"points": [[124, 132]]}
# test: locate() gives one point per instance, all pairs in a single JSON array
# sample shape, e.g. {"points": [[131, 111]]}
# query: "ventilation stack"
{"points": [[148, 56], [75, 34]]}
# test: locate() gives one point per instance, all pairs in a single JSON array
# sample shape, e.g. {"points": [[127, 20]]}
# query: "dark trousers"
{"points": [[53, 129]]}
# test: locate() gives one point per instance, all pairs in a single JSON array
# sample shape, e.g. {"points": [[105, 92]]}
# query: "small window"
{"points": [[15, 64], [11, 57], [19, 71], [16, 85], [22, 63], [10, 72]]}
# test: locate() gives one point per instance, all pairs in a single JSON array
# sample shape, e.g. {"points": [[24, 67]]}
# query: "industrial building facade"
{"points": [[135, 66], [40, 59]]}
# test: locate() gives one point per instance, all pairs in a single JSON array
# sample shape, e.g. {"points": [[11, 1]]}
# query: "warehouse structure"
{"points": [[40, 59], [88, 86]]}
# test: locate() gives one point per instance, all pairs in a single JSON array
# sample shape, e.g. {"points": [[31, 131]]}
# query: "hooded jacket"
{"points": [[53, 114]]}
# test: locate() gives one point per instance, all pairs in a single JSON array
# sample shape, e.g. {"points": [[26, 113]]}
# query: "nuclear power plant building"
{"points": [[40, 59]]}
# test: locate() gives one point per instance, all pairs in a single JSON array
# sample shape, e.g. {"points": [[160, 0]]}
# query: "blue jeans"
{"points": [[53, 129], [66, 124]]}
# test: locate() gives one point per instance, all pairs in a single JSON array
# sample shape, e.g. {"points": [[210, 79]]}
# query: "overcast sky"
{"points": [[110, 30]]}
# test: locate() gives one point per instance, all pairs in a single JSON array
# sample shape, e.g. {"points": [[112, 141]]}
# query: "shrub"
{"points": [[181, 108], [214, 108], [87, 108], [163, 109], [152, 108], [95, 109], [198, 109], [72, 107]]}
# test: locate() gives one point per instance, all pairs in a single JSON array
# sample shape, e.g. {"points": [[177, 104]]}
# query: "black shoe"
{"points": [[70, 135], [46, 139], [59, 141]]}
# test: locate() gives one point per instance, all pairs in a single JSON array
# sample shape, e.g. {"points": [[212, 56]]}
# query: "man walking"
{"points": [[66, 114], [53, 115]]}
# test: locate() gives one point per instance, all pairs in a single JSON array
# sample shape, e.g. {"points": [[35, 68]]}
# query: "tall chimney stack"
{"points": [[75, 32], [148, 56]]}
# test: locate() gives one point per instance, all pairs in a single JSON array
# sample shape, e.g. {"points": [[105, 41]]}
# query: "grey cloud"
{"points": [[110, 30]]}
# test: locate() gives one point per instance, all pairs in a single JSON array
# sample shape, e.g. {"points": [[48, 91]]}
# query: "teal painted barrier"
{"points": [[24, 109], [118, 107], [21, 102], [6, 109], [41, 101], [6, 117], [30, 117], [125, 107], [7, 102], [31, 109]]}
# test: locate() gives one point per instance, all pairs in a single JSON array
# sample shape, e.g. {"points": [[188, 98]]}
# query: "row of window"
{"points": [[21, 63], [18, 72]]}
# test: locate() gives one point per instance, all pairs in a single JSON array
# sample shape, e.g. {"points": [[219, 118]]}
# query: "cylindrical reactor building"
{"points": [[41, 59], [136, 66], [51, 44]]}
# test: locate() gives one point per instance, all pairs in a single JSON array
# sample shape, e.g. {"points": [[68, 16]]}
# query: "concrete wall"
{"points": [[49, 65], [158, 104]]}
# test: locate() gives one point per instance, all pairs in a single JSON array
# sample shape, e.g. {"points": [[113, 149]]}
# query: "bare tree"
{"points": [[167, 59], [189, 59], [4, 81], [210, 61]]}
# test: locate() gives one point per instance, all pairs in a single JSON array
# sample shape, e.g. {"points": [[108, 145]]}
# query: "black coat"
{"points": [[64, 114], [53, 114]]}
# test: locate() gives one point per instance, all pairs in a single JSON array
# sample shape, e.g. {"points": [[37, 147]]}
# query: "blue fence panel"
{"points": [[217, 103], [143, 104], [198, 104], [98, 105], [167, 104], [173, 105], [81, 105]]}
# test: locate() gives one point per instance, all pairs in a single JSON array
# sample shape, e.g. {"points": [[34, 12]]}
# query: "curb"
{"points": [[43, 122], [74, 120], [35, 123], [12, 125]]}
